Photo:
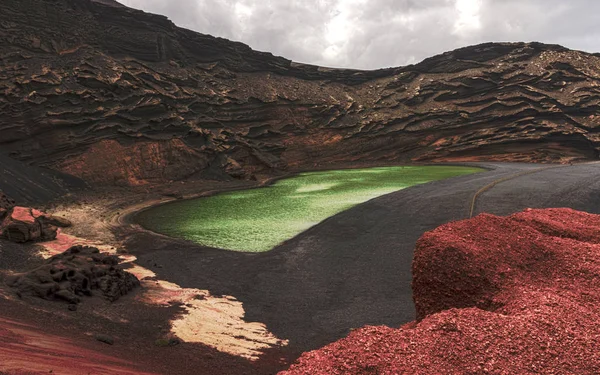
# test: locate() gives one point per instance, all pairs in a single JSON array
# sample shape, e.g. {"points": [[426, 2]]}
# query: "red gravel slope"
{"points": [[25, 350], [498, 295]]}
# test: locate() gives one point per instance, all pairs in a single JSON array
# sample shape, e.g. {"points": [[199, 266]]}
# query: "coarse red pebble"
{"points": [[494, 295]]}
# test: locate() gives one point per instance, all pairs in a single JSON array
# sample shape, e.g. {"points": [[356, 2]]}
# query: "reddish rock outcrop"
{"points": [[136, 164], [24, 224], [79, 271], [498, 295]]}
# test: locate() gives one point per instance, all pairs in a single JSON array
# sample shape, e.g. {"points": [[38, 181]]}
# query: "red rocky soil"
{"points": [[499, 295], [24, 346]]}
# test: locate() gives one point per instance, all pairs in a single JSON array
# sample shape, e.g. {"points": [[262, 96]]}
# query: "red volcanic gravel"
{"points": [[494, 295]]}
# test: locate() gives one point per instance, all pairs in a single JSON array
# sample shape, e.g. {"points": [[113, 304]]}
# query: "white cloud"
{"points": [[468, 16], [381, 33]]}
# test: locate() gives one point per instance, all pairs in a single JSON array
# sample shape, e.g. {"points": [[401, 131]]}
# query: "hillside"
{"points": [[114, 95]]}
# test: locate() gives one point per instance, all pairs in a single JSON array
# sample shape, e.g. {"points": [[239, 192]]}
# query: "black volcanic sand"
{"points": [[353, 269], [134, 327], [18, 257], [33, 185], [134, 340]]}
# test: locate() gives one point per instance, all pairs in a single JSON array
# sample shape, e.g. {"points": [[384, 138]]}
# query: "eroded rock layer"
{"points": [[494, 295], [118, 96]]}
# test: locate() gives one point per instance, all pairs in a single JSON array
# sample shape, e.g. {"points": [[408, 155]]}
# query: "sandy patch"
{"points": [[90, 219], [65, 241], [217, 322]]}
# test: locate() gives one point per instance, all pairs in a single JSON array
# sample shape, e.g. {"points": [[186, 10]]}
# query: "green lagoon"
{"points": [[257, 220]]}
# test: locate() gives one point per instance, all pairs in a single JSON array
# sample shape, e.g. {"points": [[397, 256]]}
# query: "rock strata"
{"points": [[117, 96], [497, 295], [77, 273]]}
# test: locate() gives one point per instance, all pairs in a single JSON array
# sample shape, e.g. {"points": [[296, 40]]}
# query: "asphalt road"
{"points": [[354, 268]]}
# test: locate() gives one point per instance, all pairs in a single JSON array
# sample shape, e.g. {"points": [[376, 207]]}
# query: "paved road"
{"points": [[576, 186], [354, 268]]}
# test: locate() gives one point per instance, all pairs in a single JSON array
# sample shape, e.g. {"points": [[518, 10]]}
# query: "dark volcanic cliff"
{"points": [[118, 96]]}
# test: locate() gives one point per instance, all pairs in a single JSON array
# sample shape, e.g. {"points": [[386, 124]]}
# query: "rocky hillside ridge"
{"points": [[494, 295], [114, 95]]}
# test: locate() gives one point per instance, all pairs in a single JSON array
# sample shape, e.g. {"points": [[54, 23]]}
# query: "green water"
{"points": [[257, 220]]}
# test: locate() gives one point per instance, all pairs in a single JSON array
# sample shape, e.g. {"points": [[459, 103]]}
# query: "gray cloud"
{"points": [[369, 34]]}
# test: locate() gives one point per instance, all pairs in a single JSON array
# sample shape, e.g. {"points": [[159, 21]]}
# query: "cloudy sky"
{"points": [[369, 34]]}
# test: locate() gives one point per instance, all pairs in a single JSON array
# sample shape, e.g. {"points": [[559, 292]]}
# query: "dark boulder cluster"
{"points": [[78, 272], [24, 224], [494, 295]]}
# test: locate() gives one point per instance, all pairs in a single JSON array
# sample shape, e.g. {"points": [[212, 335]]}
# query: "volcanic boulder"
{"points": [[498, 295], [79, 271], [23, 224]]}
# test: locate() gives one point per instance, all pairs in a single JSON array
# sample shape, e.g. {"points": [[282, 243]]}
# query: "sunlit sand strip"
{"points": [[217, 322], [64, 241]]}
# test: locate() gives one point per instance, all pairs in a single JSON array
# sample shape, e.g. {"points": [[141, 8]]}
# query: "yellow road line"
{"points": [[503, 179]]}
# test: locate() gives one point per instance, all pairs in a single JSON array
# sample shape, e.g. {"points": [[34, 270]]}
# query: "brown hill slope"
{"points": [[118, 96]]}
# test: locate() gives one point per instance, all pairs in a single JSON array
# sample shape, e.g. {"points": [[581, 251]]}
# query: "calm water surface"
{"points": [[257, 220]]}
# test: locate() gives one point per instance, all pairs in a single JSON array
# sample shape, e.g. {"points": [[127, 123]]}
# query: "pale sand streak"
{"points": [[217, 322]]}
